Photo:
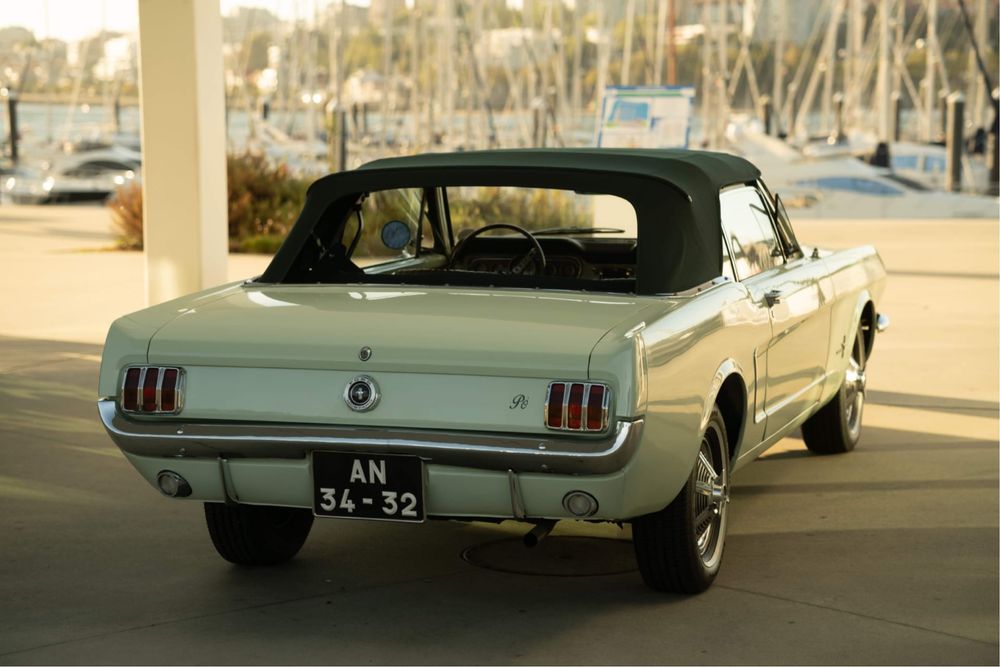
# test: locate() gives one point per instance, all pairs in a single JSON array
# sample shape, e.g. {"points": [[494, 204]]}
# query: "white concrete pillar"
{"points": [[183, 145]]}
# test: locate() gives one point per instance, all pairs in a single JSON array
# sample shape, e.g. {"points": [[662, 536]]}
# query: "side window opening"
{"points": [[747, 226], [781, 221]]}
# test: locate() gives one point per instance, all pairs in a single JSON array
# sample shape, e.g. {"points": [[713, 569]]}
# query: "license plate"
{"points": [[362, 486]]}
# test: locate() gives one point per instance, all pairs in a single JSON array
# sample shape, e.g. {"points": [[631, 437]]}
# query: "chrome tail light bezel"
{"points": [[179, 390], [604, 407]]}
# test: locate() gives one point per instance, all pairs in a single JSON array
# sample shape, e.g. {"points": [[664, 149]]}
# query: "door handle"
{"points": [[773, 297]]}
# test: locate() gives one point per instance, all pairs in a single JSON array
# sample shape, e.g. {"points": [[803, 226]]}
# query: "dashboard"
{"points": [[588, 259]]}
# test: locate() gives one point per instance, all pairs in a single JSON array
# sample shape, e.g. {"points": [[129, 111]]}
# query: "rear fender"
{"points": [[668, 452]]}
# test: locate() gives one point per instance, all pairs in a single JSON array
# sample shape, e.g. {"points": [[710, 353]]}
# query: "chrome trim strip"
{"points": [[545, 407], [606, 408], [576, 454], [567, 389], [516, 501], [227, 483], [142, 385], [159, 388]]}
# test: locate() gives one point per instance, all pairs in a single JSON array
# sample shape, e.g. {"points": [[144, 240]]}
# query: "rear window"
{"points": [[478, 235]]}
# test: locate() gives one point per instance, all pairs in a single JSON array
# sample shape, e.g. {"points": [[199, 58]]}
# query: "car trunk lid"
{"points": [[523, 333]]}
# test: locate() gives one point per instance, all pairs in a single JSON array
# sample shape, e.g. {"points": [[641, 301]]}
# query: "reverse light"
{"points": [[579, 503], [172, 485], [577, 406], [152, 390]]}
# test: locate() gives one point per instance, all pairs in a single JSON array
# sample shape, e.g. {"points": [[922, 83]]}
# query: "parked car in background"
{"points": [[539, 335], [91, 175]]}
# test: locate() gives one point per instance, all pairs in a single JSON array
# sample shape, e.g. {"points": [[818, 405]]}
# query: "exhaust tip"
{"points": [[580, 503], [172, 485]]}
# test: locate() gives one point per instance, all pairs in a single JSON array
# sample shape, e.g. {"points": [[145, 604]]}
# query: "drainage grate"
{"points": [[555, 556]]}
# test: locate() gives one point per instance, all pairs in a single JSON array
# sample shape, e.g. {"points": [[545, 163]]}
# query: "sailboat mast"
{"points": [[930, 85], [722, 103], [778, 87], [671, 43], [853, 71], [603, 47], [627, 46], [661, 28], [882, 83], [414, 73], [978, 99], [386, 75], [576, 93]]}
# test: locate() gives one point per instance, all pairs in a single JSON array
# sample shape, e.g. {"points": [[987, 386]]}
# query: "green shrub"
{"points": [[263, 202], [126, 216]]}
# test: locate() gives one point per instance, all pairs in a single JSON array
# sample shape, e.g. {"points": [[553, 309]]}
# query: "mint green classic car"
{"points": [[538, 335]]}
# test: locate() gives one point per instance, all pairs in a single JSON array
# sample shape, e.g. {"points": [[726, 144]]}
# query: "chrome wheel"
{"points": [[854, 387], [679, 548], [711, 497]]}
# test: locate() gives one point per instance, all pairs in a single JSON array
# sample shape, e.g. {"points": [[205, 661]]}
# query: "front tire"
{"points": [[257, 534], [679, 549], [836, 427]]}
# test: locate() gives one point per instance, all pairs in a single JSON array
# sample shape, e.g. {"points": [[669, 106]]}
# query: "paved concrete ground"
{"points": [[886, 555]]}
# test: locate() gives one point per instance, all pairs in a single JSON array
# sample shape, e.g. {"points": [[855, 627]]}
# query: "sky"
{"points": [[70, 20]]}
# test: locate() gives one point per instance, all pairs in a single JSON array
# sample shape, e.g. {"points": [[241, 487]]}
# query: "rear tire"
{"points": [[679, 548], [836, 427], [257, 534]]}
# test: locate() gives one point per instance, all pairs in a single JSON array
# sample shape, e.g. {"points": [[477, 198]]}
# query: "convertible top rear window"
{"points": [[475, 236], [674, 196]]}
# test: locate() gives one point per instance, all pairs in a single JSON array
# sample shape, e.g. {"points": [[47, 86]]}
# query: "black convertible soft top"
{"points": [[675, 194]]}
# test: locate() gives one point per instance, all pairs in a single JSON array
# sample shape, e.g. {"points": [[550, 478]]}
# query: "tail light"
{"points": [[152, 390], [577, 406]]}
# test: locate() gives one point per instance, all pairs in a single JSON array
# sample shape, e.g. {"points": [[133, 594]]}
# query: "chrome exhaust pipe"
{"points": [[539, 532]]}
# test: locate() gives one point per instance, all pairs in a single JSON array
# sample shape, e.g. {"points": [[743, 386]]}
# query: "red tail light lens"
{"points": [[130, 390], [577, 406], [149, 390], [168, 392], [574, 411], [596, 413], [554, 405], [152, 390]]}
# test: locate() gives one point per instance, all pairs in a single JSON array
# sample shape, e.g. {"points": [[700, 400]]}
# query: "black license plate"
{"points": [[362, 486]]}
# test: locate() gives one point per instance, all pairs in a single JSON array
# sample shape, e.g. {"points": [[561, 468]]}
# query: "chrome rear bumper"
{"points": [[519, 452]]}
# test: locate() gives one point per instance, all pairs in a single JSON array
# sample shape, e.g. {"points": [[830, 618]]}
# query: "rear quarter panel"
{"points": [[128, 337], [691, 344]]}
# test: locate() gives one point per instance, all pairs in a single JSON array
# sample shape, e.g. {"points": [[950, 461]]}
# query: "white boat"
{"points": [[837, 185], [923, 163]]}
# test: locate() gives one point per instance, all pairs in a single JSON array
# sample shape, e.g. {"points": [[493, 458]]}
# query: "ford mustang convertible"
{"points": [[538, 335]]}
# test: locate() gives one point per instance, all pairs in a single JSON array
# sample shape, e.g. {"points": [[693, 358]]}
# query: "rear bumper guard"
{"points": [[518, 452]]}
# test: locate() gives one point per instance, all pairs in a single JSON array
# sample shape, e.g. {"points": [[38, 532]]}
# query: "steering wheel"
{"points": [[517, 266]]}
